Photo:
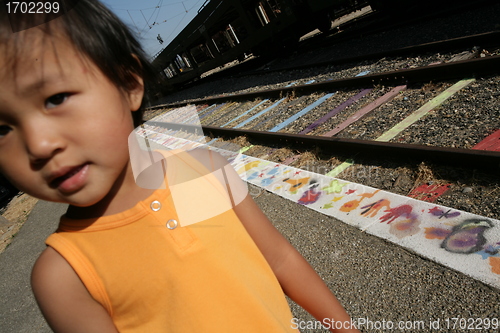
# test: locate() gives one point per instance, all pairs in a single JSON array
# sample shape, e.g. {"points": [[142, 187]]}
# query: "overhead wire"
{"points": [[150, 23], [136, 10], [159, 9], [173, 30]]}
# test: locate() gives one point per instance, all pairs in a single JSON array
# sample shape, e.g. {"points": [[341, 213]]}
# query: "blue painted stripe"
{"points": [[206, 109], [301, 113], [260, 113], [211, 141], [363, 73], [212, 111], [246, 112], [196, 116]]}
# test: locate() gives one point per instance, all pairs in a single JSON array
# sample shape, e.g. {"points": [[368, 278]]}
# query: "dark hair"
{"points": [[95, 32]]}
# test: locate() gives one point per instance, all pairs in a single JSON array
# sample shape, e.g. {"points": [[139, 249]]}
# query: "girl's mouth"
{"points": [[72, 180]]}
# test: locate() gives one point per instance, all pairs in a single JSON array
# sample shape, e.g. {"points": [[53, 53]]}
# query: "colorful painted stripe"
{"points": [[246, 112], [211, 111], [222, 109], [491, 142], [429, 192], [364, 111], [363, 73], [244, 149], [196, 117], [291, 159], [260, 113], [301, 113], [278, 111], [335, 111], [433, 103], [340, 168], [238, 107]]}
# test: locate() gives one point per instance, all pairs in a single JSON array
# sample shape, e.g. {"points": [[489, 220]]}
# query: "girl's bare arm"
{"points": [[297, 278], [65, 302]]}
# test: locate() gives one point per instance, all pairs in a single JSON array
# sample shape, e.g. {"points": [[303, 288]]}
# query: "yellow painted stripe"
{"points": [[340, 168], [244, 149], [433, 103]]}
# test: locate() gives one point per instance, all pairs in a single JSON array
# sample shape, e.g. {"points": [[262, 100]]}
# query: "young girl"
{"points": [[72, 92]]}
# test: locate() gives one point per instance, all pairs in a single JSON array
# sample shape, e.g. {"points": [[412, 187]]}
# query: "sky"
{"points": [[148, 18]]}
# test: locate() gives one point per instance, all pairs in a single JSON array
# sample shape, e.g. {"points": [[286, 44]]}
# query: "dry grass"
{"points": [[425, 175], [241, 141], [15, 215], [306, 158], [281, 154]]}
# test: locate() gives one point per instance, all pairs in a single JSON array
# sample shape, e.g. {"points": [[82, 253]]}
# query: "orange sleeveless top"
{"points": [[205, 277]]}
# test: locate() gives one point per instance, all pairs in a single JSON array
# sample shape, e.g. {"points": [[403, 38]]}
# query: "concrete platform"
{"points": [[19, 312]]}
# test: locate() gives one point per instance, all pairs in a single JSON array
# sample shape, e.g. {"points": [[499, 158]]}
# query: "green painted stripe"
{"points": [[339, 169], [244, 149], [433, 103]]}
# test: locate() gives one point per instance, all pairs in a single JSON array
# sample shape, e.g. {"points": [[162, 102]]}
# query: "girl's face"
{"points": [[64, 126]]}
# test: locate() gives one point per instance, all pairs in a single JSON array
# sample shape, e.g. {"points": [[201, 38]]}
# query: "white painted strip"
{"points": [[463, 241]]}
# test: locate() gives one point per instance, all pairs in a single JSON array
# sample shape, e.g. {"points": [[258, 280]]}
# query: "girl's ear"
{"points": [[136, 94]]}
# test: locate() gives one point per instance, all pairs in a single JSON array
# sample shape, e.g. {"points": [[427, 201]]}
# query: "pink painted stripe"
{"points": [[290, 160], [332, 113], [370, 107], [491, 142]]}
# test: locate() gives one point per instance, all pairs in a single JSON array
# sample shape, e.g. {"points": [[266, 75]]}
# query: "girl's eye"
{"points": [[4, 129], [56, 100]]}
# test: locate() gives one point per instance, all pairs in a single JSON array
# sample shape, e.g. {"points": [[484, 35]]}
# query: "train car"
{"points": [[227, 30]]}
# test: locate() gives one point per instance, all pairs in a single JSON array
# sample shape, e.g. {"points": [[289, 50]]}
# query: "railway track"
{"points": [[370, 119]]}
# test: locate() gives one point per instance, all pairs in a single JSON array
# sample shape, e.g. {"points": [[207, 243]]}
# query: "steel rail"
{"points": [[487, 39], [454, 70], [477, 159]]}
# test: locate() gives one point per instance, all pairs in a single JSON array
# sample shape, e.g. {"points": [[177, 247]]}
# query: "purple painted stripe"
{"points": [[332, 113], [206, 109], [290, 160], [212, 111], [365, 110]]}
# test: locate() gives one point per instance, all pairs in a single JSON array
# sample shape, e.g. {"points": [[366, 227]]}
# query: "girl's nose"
{"points": [[42, 143]]}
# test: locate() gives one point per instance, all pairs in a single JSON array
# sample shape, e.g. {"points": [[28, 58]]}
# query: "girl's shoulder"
{"points": [[63, 298]]}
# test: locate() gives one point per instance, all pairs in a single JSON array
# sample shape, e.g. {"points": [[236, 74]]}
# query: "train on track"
{"points": [[229, 30]]}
